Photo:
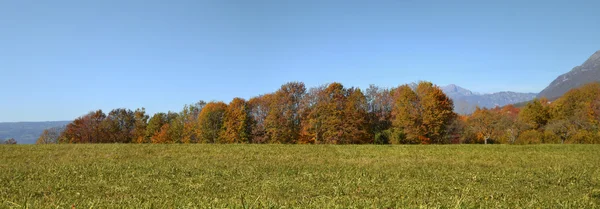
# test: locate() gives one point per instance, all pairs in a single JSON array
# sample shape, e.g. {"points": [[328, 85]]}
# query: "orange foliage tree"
{"points": [[236, 122]]}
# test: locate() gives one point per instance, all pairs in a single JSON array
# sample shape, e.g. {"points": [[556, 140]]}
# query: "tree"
{"points": [[535, 114], [175, 127], [10, 141], [210, 122], [380, 103], [484, 123], [162, 136], [283, 123], [406, 115], [237, 122], [575, 114], [332, 113], [139, 127], [437, 112], [259, 108], [562, 128], [49, 136], [170, 130], [85, 129], [189, 115], [425, 114], [119, 126], [510, 124], [356, 126], [312, 120], [335, 115], [157, 121]]}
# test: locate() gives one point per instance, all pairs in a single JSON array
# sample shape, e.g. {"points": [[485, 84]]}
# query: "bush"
{"points": [[530, 137], [382, 137], [397, 136], [581, 137], [550, 137]]}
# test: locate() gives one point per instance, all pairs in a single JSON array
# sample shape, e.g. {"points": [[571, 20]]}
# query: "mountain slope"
{"points": [[27, 132], [588, 72], [465, 101]]}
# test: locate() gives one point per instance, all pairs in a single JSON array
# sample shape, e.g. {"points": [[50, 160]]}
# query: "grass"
{"points": [[305, 176]]}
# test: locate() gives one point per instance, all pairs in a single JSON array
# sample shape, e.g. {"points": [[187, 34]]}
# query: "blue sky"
{"points": [[60, 59]]}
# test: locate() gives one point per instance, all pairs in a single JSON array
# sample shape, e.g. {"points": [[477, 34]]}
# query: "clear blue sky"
{"points": [[60, 59]]}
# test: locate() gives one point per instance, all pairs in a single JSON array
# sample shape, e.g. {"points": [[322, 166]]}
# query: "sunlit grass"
{"points": [[317, 176]]}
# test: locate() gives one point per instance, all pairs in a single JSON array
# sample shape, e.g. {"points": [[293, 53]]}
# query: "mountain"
{"points": [[27, 132], [465, 101], [457, 91], [588, 72]]}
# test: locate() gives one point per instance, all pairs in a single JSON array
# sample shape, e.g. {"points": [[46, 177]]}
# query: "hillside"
{"points": [[588, 72], [465, 101], [27, 132]]}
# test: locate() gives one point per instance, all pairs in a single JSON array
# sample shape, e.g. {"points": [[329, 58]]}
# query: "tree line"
{"points": [[334, 114]]}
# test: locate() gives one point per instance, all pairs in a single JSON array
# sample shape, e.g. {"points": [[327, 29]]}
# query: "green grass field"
{"points": [[304, 176]]}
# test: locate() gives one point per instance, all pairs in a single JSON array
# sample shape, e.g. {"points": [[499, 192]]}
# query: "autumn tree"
{"points": [[171, 129], [49, 136], [259, 108], [379, 107], [283, 123], [236, 122], [119, 126], [189, 116], [335, 115], [312, 120], [535, 114], [406, 115], [155, 124], [85, 129], [210, 122], [564, 129], [425, 114], [355, 123], [509, 124], [574, 115], [484, 123], [139, 126], [332, 113]]}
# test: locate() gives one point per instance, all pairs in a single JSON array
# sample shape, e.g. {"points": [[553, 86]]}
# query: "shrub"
{"points": [[382, 137], [530, 137], [550, 137], [581, 137]]}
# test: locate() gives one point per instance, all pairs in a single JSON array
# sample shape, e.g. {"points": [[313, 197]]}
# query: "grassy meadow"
{"points": [[299, 176]]}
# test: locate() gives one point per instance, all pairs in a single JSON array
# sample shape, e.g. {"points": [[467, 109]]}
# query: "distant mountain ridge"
{"points": [[465, 101], [27, 132], [586, 73]]}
